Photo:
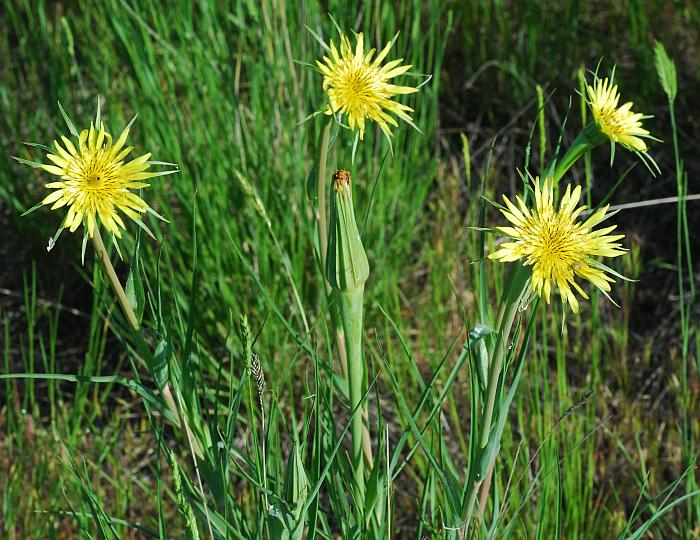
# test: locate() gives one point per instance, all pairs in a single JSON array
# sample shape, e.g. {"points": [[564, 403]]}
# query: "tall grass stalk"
{"points": [[666, 71]]}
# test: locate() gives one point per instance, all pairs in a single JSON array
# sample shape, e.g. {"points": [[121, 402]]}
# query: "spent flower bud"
{"points": [[347, 267]]}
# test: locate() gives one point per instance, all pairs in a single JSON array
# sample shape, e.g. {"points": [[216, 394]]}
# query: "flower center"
{"points": [[610, 119], [94, 179], [556, 246], [94, 172]]}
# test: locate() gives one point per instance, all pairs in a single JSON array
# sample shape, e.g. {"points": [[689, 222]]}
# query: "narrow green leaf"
{"points": [[29, 162], [69, 122], [134, 284]]}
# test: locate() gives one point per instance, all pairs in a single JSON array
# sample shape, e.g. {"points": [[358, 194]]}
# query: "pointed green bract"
{"points": [[347, 266]]}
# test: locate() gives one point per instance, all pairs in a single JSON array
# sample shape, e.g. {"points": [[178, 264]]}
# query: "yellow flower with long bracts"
{"points": [[619, 124], [358, 86], [557, 246], [95, 181]]}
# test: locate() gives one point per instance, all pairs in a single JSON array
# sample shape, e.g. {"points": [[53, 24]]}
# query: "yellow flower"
{"points": [[358, 86], [95, 181], [619, 124], [556, 245]]}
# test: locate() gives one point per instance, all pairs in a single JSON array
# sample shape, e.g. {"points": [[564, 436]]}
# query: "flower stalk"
{"points": [[515, 295], [114, 280], [321, 189], [587, 140], [522, 282], [130, 315], [321, 193], [347, 271]]}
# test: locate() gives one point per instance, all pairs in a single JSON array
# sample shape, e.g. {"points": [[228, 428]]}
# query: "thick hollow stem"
{"points": [[351, 315], [588, 139], [339, 338], [366, 441]]}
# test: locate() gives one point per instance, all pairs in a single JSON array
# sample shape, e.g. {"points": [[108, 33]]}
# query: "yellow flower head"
{"points": [[95, 180], [556, 245], [619, 124], [358, 86]]}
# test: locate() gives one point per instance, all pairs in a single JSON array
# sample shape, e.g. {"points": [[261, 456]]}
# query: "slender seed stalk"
{"points": [[321, 190], [101, 251]]}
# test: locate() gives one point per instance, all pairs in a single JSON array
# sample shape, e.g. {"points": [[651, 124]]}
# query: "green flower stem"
{"points": [[351, 308], [588, 139], [321, 191], [114, 280], [134, 322], [507, 318], [517, 288]]}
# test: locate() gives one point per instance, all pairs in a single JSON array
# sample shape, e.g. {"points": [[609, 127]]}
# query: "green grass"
{"points": [[605, 422]]}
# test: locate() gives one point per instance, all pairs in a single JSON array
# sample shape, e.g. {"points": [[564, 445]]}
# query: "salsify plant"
{"points": [[613, 123], [556, 246], [357, 86], [96, 183], [550, 246], [96, 180], [553, 246], [617, 122]]}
